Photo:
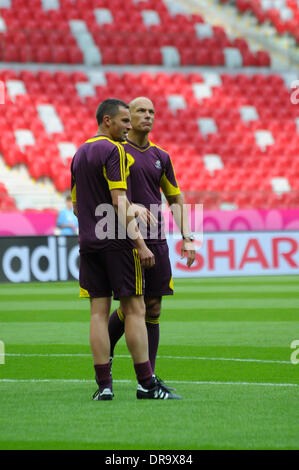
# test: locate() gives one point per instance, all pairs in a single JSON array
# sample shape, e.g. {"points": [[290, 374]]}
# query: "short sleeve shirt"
{"points": [[150, 169], [99, 166]]}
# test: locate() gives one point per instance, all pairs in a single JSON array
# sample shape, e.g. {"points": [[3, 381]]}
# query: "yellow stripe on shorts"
{"points": [[84, 294], [138, 272]]}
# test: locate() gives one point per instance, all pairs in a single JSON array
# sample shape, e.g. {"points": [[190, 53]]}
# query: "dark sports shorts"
{"points": [[158, 279], [117, 273]]}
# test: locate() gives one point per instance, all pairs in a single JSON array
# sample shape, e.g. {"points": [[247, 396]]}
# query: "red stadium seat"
{"points": [[52, 28], [60, 55], [273, 14], [11, 53], [43, 54], [247, 170], [75, 55]]}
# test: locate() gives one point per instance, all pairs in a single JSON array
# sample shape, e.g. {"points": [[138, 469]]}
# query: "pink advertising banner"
{"points": [[27, 223], [44, 222], [251, 220]]}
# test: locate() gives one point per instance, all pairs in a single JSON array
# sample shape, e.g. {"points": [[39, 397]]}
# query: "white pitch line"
{"points": [[265, 361], [195, 382]]}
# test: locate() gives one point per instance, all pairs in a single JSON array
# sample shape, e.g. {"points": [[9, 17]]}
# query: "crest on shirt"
{"points": [[158, 164]]}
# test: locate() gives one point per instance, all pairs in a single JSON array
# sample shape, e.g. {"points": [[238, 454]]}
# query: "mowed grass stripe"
{"points": [[171, 370], [172, 303], [126, 356], [246, 280], [224, 409], [200, 293], [168, 314], [64, 416], [255, 289], [185, 382], [174, 368], [217, 333], [200, 281], [39, 290], [263, 352], [181, 286]]}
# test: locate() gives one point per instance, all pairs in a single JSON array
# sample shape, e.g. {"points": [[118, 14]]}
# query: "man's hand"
{"points": [[144, 215], [147, 258], [188, 247]]}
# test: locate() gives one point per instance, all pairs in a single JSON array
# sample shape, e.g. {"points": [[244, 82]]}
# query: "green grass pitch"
{"points": [[225, 345]]}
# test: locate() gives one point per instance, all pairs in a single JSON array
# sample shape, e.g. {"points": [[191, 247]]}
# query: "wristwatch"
{"points": [[188, 237]]}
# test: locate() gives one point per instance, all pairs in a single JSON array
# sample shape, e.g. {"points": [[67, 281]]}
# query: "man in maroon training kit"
{"points": [[150, 169], [110, 260]]}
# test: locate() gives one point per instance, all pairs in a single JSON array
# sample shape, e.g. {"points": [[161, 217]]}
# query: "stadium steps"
{"points": [[101, 33], [282, 14], [208, 156], [27, 192], [282, 49]]}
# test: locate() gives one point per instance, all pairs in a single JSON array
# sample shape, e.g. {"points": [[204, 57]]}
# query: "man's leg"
{"points": [[158, 280], [116, 328], [127, 284], [152, 314], [133, 309], [99, 341]]}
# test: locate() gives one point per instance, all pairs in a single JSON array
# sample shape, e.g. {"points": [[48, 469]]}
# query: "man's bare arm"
{"points": [[122, 208], [180, 216]]}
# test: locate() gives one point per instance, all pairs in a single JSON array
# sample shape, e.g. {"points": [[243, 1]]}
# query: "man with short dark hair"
{"points": [[151, 169], [111, 261]]}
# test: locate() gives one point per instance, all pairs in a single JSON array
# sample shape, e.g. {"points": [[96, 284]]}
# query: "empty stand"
{"points": [[94, 32], [283, 14], [7, 203], [229, 140]]}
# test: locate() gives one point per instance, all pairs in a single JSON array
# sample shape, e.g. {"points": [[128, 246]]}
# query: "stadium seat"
{"points": [[284, 15], [168, 38], [229, 134]]}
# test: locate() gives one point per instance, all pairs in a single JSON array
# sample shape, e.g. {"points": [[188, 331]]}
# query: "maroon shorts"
{"points": [[117, 273], [158, 279]]}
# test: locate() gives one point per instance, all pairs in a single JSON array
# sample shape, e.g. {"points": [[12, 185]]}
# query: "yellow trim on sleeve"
{"points": [[74, 193], [114, 184], [121, 150], [171, 283], [168, 188], [131, 161], [117, 185], [174, 172], [122, 157]]}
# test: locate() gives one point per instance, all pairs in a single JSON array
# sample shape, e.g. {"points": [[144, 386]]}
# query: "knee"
{"points": [[133, 308], [153, 309]]}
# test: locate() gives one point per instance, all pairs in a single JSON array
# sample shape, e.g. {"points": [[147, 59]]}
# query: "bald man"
{"points": [[150, 169]]}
